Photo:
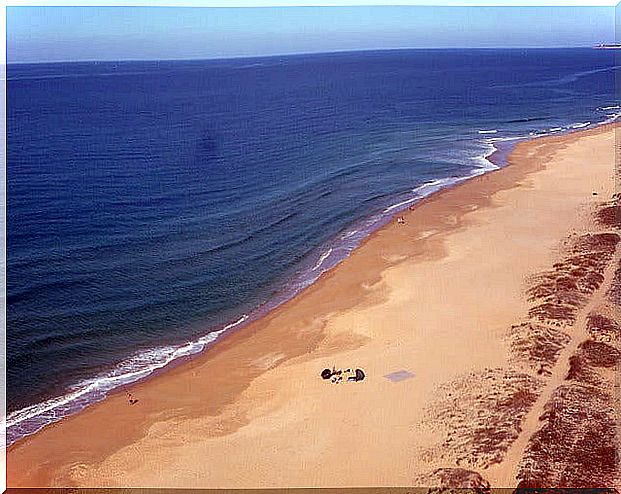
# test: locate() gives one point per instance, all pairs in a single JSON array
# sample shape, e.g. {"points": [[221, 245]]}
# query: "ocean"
{"points": [[154, 205]]}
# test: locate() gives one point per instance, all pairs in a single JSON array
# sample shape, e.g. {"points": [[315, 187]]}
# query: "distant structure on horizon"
{"points": [[608, 46]]}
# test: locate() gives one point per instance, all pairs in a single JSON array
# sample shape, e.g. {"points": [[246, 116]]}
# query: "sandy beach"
{"points": [[499, 298]]}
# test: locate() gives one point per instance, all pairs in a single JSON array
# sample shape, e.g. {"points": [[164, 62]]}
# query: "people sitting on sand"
{"points": [[349, 375], [337, 376], [401, 220]]}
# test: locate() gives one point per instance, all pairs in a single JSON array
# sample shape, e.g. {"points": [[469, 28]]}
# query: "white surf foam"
{"points": [[492, 140], [611, 117], [350, 233], [424, 190], [401, 204], [580, 125], [322, 258], [33, 418]]}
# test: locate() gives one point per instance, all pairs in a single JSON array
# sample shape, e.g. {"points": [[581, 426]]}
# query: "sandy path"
{"points": [[508, 469]]}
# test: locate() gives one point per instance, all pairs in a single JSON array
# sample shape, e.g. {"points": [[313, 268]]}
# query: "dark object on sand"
{"points": [[359, 375], [398, 376], [338, 375], [130, 399]]}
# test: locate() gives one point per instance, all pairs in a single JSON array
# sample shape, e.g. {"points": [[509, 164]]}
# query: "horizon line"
{"points": [[272, 55]]}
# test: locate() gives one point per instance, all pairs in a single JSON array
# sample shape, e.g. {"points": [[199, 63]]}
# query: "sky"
{"points": [[39, 34]]}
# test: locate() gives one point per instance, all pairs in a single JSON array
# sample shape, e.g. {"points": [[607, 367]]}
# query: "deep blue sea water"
{"points": [[152, 204]]}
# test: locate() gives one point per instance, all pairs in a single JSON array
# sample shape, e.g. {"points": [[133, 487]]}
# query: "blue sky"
{"points": [[36, 34]]}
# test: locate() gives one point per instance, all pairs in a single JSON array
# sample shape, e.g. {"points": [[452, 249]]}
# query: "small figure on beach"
{"points": [[349, 375], [401, 220], [130, 399]]}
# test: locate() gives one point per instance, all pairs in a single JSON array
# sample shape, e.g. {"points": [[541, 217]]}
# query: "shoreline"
{"points": [[215, 363], [368, 226], [497, 158]]}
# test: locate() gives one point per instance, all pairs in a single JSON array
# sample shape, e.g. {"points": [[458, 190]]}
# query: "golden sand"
{"points": [[437, 297]]}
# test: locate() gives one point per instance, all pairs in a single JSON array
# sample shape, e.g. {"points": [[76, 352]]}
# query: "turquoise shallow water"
{"points": [[153, 205]]}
